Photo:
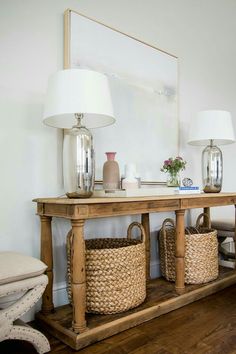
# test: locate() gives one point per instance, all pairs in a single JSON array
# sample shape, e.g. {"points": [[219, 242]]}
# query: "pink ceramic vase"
{"points": [[111, 172]]}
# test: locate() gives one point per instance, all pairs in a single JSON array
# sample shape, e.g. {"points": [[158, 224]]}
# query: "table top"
{"points": [[82, 201]]}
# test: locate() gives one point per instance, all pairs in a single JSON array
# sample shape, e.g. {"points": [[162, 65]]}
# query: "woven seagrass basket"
{"points": [[115, 272], [201, 252]]}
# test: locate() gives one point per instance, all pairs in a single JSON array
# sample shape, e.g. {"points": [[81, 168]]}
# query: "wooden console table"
{"points": [[71, 325]]}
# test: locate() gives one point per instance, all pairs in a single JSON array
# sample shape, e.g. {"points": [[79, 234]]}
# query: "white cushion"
{"points": [[225, 233], [15, 266], [223, 224]]}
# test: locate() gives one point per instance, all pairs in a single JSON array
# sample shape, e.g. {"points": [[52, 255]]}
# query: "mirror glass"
{"points": [[143, 81]]}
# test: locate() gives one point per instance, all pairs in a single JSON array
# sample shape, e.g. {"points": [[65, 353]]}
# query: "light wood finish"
{"points": [[209, 324], [78, 281], [146, 224], [47, 258], [207, 219], [79, 210], [161, 299], [179, 252], [188, 200]]}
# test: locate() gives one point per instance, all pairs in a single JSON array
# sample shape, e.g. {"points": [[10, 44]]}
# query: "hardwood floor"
{"points": [[207, 326]]}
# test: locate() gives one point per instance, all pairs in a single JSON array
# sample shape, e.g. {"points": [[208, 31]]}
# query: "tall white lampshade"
{"points": [[78, 99], [211, 128]]}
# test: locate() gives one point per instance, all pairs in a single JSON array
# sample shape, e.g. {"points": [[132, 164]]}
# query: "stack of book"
{"points": [[138, 192], [188, 190]]}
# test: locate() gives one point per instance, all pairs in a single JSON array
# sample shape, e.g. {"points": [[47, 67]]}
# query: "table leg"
{"points": [[78, 284], [146, 224], [180, 252], [207, 220], [47, 258]]}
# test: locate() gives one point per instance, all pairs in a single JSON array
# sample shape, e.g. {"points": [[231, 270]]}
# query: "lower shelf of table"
{"points": [[161, 299]]}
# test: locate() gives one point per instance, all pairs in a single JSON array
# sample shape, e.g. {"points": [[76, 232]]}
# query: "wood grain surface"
{"points": [[207, 326]]}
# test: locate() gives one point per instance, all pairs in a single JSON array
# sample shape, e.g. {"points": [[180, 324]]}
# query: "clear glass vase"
{"points": [[173, 179]]}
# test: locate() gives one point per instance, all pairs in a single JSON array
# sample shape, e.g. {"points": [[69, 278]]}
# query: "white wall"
{"points": [[200, 33]]}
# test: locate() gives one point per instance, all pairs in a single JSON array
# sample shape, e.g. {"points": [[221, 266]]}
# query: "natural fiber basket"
{"points": [[201, 252], [115, 272]]}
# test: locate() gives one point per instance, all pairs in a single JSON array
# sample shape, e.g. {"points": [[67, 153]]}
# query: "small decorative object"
{"points": [[130, 181], [211, 128], [187, 190], [111, 172], [172, 167], [187, 182]]}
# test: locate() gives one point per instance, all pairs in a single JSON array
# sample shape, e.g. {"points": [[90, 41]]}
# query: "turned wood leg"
{"points": [[78, 285], [47, 258], [146, 225], [207, 220], [179, 252]]}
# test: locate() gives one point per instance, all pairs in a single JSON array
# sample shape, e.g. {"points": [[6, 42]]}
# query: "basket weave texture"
{"points": [[115, 272], [201, 252]]}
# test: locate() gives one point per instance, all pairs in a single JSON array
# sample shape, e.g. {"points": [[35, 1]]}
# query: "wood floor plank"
{"points": [[207, 326], [161, 299]]}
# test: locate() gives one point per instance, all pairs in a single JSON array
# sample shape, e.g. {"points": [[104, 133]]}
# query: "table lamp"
{"points": [[211, 128], [78, 99]]}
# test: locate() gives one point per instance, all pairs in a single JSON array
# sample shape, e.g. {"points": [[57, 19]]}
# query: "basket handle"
{"points": [[187, 229], [163, 230], [199, 218], [141, 228], [168, 221]]}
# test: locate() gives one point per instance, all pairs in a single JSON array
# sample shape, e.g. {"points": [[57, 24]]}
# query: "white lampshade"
{"points": [[211, 125], [79, 91]]}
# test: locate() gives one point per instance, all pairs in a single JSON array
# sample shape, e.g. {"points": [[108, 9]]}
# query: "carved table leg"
{"points": [[207, 220], [47, 258], [146, 225], [78, 284], [180, 252]]}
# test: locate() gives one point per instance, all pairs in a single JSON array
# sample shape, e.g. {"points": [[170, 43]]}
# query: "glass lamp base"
{"points": [[78, 162], [212, 169], [211, 189]]}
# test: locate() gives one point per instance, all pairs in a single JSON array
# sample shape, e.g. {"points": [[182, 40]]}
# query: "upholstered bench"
{"points": [[225, 228], [23, 275]]}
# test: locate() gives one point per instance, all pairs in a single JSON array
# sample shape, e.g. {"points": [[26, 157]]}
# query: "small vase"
{"points": [[173, 180], [111, 173]]}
